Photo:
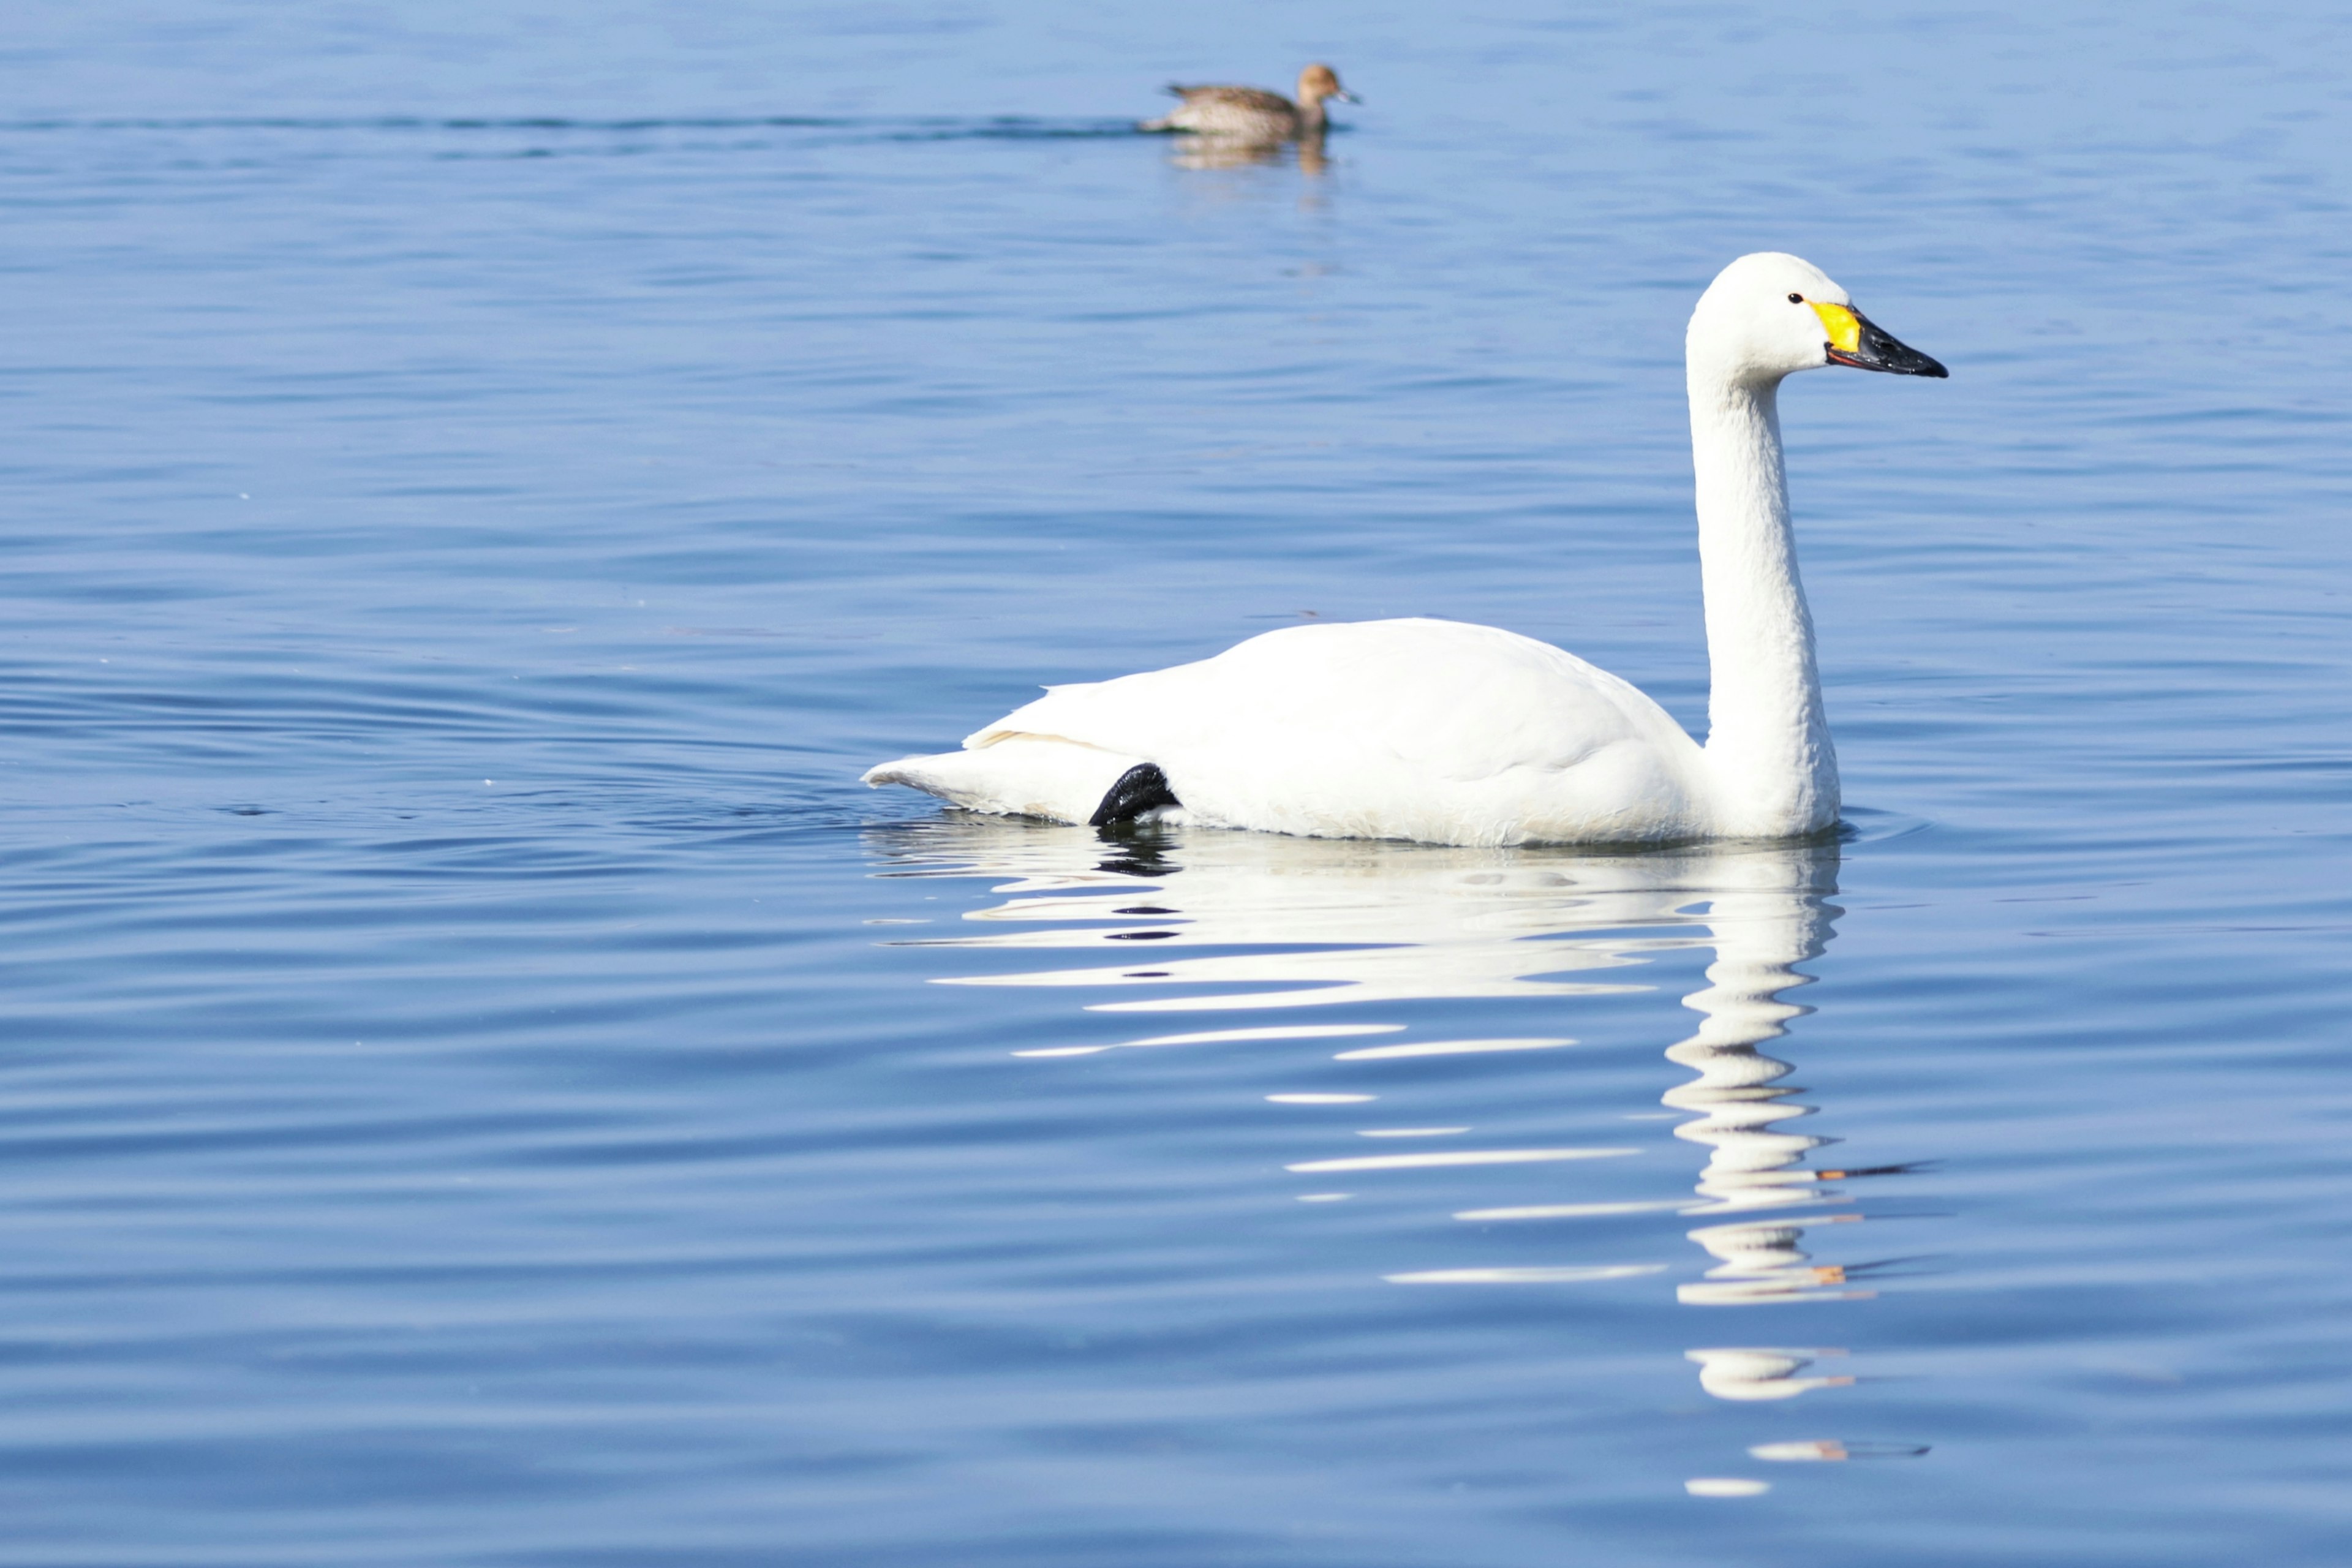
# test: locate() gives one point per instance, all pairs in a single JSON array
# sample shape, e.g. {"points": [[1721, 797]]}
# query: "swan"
{"points": [[1451, 734], [1252, 114]]}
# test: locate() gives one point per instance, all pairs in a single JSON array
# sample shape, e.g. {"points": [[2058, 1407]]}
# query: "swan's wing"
{"points": [[1385, 728], [1459, 701]]}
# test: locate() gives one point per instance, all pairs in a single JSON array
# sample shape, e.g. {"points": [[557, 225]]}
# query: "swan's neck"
{"points": [[1767, 743]]}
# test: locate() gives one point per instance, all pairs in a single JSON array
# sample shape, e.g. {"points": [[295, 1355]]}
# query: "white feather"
{"points": [[1452, 734]]}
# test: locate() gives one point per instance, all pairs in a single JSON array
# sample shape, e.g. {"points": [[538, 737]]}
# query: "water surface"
{"points": [[484, 1085]]}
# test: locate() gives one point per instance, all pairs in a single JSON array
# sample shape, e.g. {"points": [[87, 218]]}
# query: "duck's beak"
{"points": [[1855, 340], [1344, 96]]}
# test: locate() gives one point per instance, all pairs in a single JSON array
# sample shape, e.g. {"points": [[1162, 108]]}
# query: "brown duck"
{"points": [[1252, 114]]}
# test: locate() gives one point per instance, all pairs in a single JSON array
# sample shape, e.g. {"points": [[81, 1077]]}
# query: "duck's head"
{"points": [[1770, 314], [1318, 82]]}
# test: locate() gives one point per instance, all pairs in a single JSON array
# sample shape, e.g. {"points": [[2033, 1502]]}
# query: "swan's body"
{"points": [[1452, 734], [1434, 730], [1252, 114]]}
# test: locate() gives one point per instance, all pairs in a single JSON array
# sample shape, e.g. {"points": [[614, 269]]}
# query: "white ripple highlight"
{"points": [[1446, 1048], [1725, 1486], [1213, 1037], [1569, 1211], [1274, 1032], [1524, 1276], [1457, 1157]]}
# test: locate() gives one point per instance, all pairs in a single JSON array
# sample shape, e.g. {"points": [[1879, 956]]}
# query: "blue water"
{"points": [[484, 1085]]}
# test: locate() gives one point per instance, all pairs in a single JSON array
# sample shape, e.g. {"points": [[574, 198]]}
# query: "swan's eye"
{"points": [[1796, 299]]}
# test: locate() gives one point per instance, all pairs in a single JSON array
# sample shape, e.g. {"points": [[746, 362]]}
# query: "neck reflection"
{"points": [[1198, 921], [1768, 915]]}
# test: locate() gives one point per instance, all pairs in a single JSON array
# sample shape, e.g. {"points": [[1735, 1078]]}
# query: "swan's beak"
{"points": [[1855, 340]]}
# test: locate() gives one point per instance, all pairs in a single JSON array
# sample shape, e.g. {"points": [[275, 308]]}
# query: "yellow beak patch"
{"points": [[1844, 327]]}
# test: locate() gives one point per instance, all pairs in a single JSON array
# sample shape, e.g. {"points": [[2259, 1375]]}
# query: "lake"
{"points": [[485, 1084]]}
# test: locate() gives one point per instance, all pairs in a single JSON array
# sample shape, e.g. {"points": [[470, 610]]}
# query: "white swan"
{"points": [[1452, 734]]}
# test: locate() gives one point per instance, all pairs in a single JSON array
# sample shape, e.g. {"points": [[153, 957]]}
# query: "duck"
{"points": [[1447, 732], [1252, 114]]}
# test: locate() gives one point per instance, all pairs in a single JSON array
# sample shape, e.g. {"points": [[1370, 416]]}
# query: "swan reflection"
{"points": [[1193, 921], [1753, 1159], [1753, 1373]]}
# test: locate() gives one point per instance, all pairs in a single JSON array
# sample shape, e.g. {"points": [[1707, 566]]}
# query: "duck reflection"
{"points": [[1188, 921], [1221, 152]]}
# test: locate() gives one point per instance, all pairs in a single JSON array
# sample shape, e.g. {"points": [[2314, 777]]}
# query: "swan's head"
{"points": [[1319, 82], [1770, 314]]}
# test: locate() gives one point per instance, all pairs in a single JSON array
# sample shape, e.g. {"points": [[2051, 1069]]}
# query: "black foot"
{"points": [[1142, 788]]}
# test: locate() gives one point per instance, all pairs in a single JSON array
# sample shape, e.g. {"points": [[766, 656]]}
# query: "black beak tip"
{"points": [[1878, 350]]}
